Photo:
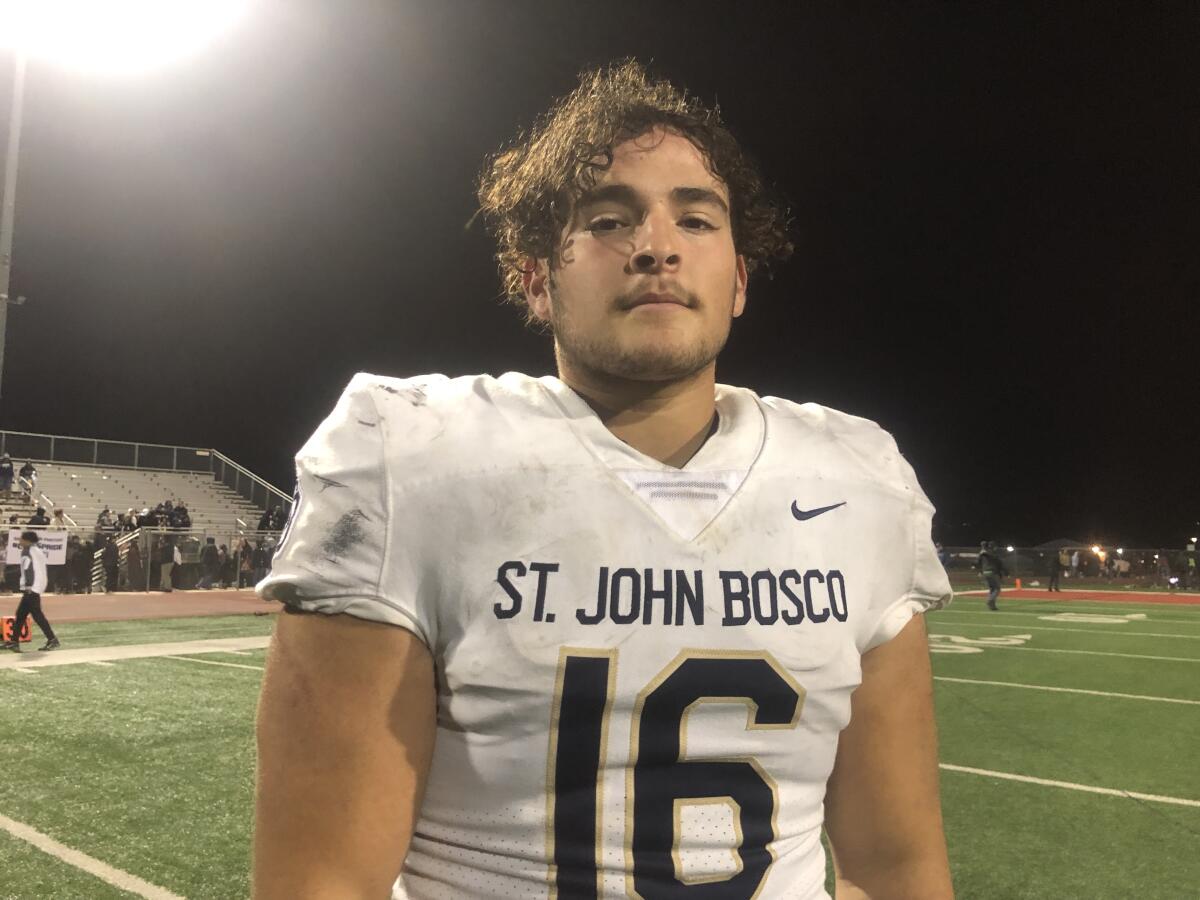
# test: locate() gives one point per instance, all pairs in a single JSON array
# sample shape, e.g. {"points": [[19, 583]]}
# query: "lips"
{"points": [[648, 298]]}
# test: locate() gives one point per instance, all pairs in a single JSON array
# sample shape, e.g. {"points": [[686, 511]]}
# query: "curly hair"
{"points": [[526, 191]]}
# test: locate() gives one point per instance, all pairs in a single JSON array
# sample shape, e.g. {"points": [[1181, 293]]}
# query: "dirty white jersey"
{"points": [[642, 671]]}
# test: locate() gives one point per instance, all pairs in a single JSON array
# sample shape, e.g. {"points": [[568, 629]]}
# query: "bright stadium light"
{"points": [[1095, 548], [1010, 548], [1120, 551], [114, 35]]}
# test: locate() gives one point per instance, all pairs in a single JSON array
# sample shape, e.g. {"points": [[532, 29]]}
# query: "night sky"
{"points": [[997, 222]]}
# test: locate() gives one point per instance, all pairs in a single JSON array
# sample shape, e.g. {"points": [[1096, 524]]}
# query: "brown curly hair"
{"points": [[526, 191]]}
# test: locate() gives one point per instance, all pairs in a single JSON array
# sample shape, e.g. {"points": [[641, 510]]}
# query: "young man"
{"points": [[623, 632], [991, 567], [33, 585]]}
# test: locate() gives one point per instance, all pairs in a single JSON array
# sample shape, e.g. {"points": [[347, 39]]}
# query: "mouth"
{"points": [[657, 300]]}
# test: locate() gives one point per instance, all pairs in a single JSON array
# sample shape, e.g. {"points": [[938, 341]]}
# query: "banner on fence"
{"points": [[53, 543]]}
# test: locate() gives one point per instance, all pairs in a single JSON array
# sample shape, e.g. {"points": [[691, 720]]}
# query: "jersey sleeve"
{"points": [[929, 586], [333, 554]]}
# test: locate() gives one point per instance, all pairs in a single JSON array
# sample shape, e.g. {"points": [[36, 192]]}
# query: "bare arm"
{"points": [[882, 810], [346, 723]]}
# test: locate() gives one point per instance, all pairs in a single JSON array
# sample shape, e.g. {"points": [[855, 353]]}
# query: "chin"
{"points": [[658, 363]]}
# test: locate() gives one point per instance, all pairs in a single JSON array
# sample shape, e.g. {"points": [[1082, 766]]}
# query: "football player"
{"points": [[621, 632]]}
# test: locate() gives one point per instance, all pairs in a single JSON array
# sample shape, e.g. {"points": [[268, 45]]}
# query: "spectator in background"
{"points": [[81, 574], [6, 473], [33, 585], [135, 572], [104, 521], [110, 559], [245, 564], [210, 564], [261, 560], [264, 522], [991, 567], [226, 576], [14, 519], [59, 520], [1163, 574], [1056, 568], [39, 519], [29, 473], [131, 520], [1075, 564], [277, 518], [68, 585], [169, 554]]}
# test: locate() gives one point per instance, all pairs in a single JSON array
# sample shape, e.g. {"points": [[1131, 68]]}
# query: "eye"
{"points": [[604, 224], [697, 222]]}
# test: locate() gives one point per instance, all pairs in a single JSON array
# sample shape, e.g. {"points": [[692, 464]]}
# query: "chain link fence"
{"points": [[1154, 568], [145, 560]]}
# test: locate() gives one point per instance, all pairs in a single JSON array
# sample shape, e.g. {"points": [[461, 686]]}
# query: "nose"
{"points": [[655, 249]]}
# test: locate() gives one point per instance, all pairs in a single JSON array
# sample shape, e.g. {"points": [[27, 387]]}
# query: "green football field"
{"points": [[1070, 750]]}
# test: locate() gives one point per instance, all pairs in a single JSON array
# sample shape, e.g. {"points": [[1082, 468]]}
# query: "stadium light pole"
{"points": [[8, 213], [114, 36]]}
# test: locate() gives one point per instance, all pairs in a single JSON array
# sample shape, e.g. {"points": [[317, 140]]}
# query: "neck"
{"points": [[666, 420]]}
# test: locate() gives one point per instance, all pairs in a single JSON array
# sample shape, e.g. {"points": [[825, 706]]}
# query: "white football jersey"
{"points": [[642, 671]]}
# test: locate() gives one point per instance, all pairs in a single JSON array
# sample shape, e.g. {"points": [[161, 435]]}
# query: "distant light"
{"points": [[115, 35], [1195, 540], [1095, 548], [1120, 550], [1156, 556], [1010, 548], [1174, 579]]}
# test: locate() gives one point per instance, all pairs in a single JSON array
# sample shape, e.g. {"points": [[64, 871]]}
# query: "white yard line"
{"points": [[1099, 629], [1029, 779], [1082, 652], [213, 662], [67, 657], [982, 592], [103, 871], [1012, 609], [1046, 687]]}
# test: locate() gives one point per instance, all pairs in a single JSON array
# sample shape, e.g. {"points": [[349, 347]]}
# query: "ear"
{"points": [[739, 289], [536, 282]]}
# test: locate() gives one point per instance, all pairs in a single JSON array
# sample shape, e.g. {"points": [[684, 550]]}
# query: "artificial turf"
{"points": [[147, 764]]}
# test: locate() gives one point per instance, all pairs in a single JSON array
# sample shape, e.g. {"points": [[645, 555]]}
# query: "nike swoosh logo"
{"points": [[805, 514]]}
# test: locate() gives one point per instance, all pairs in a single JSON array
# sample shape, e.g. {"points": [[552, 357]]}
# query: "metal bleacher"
{"points": [[83, 491], [82, 476]]}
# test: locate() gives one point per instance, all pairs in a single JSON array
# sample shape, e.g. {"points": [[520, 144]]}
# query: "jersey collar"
{"points": [[735, 446]]}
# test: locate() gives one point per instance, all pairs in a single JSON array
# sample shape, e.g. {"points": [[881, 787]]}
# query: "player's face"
{"points": [[647, 279]]}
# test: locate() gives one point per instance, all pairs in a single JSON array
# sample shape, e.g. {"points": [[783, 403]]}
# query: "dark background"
{"points": [[996, 215]]}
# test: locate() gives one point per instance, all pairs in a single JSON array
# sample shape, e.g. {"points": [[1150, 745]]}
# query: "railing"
{"points": [[162, 457], [123, 542], [256, 490], [47, 503]]}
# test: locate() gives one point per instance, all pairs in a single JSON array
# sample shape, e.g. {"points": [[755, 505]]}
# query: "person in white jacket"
{"points": [[33, 585]]}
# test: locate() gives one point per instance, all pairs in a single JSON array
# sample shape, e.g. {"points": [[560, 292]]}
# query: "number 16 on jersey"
{"points": [[660, 779]]}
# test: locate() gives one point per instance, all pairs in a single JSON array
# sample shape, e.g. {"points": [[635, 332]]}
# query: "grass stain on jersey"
{"points": [[346, 534]]}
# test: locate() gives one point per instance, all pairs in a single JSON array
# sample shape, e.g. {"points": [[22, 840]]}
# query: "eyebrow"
{"points": [[623, 193]]}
